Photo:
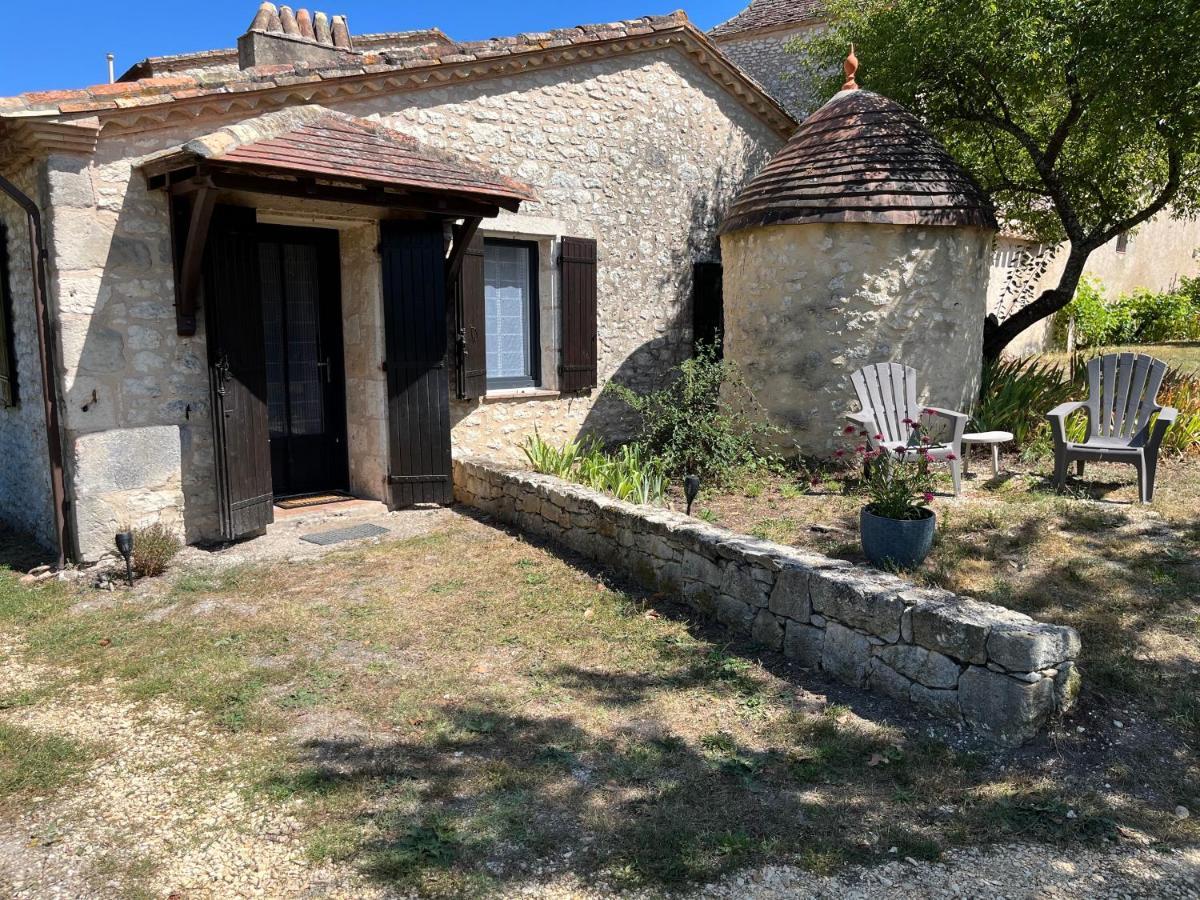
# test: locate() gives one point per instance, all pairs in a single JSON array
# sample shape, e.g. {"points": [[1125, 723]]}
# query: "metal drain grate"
{"points": [[337, 535]]}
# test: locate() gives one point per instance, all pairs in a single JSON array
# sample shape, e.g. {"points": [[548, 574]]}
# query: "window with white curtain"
{"points": [[510, 295]]}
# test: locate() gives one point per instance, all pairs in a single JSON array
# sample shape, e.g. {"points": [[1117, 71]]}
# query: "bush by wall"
{"points": [[1141, 317]]}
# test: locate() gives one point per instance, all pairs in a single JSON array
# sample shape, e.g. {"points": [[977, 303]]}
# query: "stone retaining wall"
{"points": [[957, 658]]}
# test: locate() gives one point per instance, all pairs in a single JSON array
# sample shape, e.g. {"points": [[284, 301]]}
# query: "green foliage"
{"points": [[1016, 394], [1182, 391], [1052, 104], [1141, 317], [706, 422], [153, 549], [628, 473]]}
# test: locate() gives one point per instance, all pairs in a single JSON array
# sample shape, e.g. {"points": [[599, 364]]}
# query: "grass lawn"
{"points": [[464, 712], [1183, 355]]}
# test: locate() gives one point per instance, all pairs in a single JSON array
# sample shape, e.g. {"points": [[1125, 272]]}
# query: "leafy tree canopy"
{"points": [[1081, 118]]}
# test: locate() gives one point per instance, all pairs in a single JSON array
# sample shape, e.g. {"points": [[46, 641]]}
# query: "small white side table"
{"points": [[992, 438]]}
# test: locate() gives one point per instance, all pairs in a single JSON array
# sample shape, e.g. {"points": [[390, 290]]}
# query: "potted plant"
{"points": [[896, 526]]}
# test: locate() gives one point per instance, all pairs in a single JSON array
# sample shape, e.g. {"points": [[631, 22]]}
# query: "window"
{"points": [[510, 293], [1122, 241]]}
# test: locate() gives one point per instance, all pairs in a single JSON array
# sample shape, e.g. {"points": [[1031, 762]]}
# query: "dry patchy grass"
{"points": [[461, 711]]}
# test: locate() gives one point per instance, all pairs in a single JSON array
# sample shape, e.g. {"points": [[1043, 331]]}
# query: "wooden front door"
{"points": [[305, 376], [414, 304], [237, 373]]}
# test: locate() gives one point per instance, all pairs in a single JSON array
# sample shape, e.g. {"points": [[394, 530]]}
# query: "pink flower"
{"points": [[928, 497], [925, 439], [849, 429], [814, 482], [862, 434], [908, 422], [860, 449], [839, 453], [899, 451], [879, 437], [951, 456], [929, 458], [929, 412]]}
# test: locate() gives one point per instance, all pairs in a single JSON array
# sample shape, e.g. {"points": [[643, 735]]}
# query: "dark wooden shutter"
{"points": [[577, 296], [708, 310], [237, 373], [472, 337], [414, 310], [8, 356]]}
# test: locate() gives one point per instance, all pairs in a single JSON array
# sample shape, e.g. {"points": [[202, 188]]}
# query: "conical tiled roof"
{"points": [[861, 158]]}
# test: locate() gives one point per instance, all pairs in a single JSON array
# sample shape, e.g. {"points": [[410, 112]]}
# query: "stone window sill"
{"points": [[521, 394]]}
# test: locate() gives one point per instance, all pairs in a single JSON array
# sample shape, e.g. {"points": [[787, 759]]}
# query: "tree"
{"points": [[1079, 118]]}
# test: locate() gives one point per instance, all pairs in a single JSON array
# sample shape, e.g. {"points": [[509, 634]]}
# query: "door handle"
{"points": [[328, 367]]}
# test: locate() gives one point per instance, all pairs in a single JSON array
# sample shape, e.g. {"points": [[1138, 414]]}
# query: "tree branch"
{"points": [[1170, 189]]}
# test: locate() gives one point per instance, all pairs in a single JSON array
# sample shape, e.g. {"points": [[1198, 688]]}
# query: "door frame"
{"points": [[327, 243]]}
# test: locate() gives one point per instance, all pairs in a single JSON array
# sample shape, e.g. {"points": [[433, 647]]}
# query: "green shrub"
{"points": [[1141, 317], [153, 549], [704, 422], [1182, 391], [1016, 394], [629, 473]]}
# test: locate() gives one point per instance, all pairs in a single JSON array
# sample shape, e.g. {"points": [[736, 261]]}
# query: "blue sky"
{"points": [[62, 43]]}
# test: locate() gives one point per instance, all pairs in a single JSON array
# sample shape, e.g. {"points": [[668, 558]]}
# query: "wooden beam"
{"points": [[189, 254], [463, 235], [430, 202]]}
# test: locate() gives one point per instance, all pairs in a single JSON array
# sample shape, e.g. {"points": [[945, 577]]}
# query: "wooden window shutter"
{"points": [[577, 297], [8, 357], [471, 338]]}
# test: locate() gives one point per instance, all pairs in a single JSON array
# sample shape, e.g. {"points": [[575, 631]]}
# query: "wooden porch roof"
{"points": [[337, 155]]}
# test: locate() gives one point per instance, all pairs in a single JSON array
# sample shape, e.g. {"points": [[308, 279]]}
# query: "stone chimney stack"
{"points": [[283, 35]]}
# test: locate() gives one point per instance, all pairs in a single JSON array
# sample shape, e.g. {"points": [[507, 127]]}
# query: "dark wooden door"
{"points": [[237, 373], [414, 305], [306, 393]]}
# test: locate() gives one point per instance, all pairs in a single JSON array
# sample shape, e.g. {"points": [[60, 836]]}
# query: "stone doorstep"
{"points": [[952, 656]]}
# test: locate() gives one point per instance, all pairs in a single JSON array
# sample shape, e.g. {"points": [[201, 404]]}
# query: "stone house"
{"points": [[1155, 257], [317, 262]]}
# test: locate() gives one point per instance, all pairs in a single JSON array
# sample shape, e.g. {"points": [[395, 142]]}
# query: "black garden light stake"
{"points": [[691, 487], [125, 548]]}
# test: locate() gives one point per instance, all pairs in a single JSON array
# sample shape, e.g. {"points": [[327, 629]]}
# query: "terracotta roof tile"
{"points": [[861, 158], [175, 87], [765, 14], [311, 140]]}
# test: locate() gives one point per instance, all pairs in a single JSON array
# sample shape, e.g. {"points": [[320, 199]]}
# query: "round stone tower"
{"points": [[861, 241]]}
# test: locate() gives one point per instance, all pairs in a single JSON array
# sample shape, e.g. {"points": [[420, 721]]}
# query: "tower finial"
{"points": [[851, 67]]}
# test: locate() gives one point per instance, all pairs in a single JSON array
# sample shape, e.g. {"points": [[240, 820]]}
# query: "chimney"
{"points": [[283, 35]]}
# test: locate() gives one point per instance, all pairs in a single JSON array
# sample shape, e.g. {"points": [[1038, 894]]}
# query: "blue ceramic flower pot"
{"points": [[896, 543]]}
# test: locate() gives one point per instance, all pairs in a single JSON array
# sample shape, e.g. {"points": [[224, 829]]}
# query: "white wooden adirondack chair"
{"points": [[887, 393], [1122, 402]]}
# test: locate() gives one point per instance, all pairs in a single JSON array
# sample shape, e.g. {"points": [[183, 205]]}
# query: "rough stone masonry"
{"points": [[994, 669]]}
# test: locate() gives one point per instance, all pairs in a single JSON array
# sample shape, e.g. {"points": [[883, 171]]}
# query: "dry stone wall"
{"points": [[956, 658]]}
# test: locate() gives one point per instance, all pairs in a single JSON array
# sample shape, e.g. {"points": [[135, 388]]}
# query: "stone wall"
{"points": [[25, 498], [951, 656], [641, 152], [764, 56], [843, 296]]}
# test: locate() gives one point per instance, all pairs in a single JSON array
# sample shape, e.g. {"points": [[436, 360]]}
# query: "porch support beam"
{"points": [[189, 252], [463, 235], [426, 202]]}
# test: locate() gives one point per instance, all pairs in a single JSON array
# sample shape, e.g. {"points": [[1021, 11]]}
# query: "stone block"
{"points": [[883, 679], [928, 667], [804, 644], [789, 597], [700, 569], [734, 613], [768, 630], [1011, 710], [943, 704], [1067, 683], [846, 654], [860, 598], [959, 627], [739, 582], [127, 459], [1028, 649]]}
